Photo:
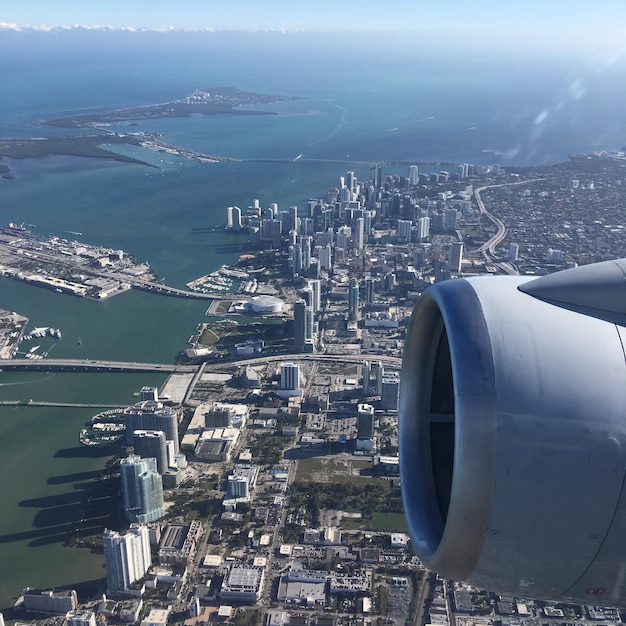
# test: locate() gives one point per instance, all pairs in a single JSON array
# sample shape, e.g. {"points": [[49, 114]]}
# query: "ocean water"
{"points": [[358, 101]]}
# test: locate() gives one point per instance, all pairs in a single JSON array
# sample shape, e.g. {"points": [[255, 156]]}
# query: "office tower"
{"points": [[316, 295], [390, 392], [307, 226], [289, 380], [142, 489], [367, 225], [294, 222], [127, 557], [365, 421], [306, 252], [441, 271], [293, 238], [404, 231], [455, 256], [449, 219], [353, 300], [150, 444], [343, 236], [359, 234], [513, 252], [274, 208], [276, 232], [413, 175], [324, 255], [423, 229], [380, 370], [299, 325], [368, 288], [150, 415], [366, 371], [296, 259]]}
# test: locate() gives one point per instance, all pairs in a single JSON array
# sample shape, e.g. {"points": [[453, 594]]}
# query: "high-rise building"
{"points": [[390, 391], [359, 234], [455, 257], [152, 415], [365, 421], [404, 231], [449, 219], [316, 295], [423, 229], [368, 285], [299, 325], [294, 222], [324, 254], [353, 300], [306, 253], [380, 371], [366, 372], [150, 444], [513, 252], [142, 489], [413, 175], [289, 376], [127, 557]]}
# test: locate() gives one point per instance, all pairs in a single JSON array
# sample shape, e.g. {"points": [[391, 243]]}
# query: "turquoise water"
{"points": [[365, 104]]}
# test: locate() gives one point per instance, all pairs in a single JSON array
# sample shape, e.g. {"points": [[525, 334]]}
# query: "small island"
{"points": [[213, 101]]}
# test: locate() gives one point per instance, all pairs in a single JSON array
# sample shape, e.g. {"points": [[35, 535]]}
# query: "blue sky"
{"points": [[561, 26], [571, 15]]}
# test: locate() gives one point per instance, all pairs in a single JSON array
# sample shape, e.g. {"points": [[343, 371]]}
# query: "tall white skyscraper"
{"points": [[316, 295], [513, 252], [127, 557], [324, 254], [423, 229], [413, 175], [359, 234], [142, 489]]}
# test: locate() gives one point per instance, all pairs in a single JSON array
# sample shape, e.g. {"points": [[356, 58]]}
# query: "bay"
{"points": [[368, 102]]}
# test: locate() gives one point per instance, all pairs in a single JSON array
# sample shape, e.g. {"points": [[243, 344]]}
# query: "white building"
{"points": [[127, 557]]}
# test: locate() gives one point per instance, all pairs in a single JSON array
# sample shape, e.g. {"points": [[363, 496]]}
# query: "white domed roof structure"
{"points": [[266, 304]]}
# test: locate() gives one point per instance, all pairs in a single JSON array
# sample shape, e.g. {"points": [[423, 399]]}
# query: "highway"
{"points": [[85, 365], [488, 249]]}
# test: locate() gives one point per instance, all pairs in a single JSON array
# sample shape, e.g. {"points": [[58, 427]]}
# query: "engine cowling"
{"points": [[513, 433]]}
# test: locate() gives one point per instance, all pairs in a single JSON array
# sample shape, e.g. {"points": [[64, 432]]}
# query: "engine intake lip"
{"points": [[448, 397]]}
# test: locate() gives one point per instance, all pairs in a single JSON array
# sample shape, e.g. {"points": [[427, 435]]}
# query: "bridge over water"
{"points": [[85, 365]]}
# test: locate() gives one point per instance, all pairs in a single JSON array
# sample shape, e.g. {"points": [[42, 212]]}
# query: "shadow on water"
{"points": [[86, 452], [79, 516], [74, 478]]}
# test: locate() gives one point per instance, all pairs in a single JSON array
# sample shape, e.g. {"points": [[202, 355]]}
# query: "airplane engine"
{"points": [[513, 433]]}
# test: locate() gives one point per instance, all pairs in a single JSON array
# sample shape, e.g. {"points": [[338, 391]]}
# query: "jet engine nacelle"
{"points": [[513, 433]]}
